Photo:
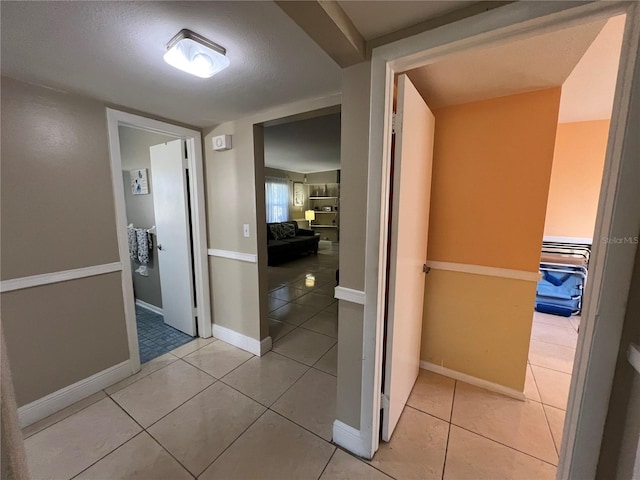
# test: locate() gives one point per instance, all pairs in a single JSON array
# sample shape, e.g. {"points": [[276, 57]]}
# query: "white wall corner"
{"points": [[265, 345], [242, 341], [351, 439], [56, 401]]}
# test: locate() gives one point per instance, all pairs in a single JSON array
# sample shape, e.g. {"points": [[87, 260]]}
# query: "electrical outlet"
{"points": [[245, 230]]}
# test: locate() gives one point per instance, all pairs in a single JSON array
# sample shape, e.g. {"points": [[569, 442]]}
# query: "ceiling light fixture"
{"points": [[194, 54]]}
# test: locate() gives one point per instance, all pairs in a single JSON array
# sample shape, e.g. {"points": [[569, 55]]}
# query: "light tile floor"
{"points": [[208, 410]]}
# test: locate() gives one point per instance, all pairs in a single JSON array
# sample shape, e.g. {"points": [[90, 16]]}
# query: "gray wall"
{"points": [[134, 151], [235, 180], [57, 213], [353, 208], [621, 442]]}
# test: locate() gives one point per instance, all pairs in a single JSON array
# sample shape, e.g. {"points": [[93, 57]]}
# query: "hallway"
{"points": [[209, 410]]}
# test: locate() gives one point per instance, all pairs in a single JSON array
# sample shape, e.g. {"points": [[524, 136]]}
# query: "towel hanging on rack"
{"points": [[133, 242], [144, 245]]}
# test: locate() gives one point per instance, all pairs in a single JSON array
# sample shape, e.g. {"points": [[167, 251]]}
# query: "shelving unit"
{"points": [[324, 200]]}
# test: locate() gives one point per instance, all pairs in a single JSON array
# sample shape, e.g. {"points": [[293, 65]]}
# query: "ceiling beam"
{"points": [[432, 23], [329, 26]]}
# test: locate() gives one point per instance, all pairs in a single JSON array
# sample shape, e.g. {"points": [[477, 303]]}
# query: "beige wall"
{"points": [[576, 175], [235, 196], [57, 214], [354, 158], [134, 152], [478, 325], [57, 205], [62, 333]]}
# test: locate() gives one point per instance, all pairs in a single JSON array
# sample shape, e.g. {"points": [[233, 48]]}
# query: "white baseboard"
{"points": [[350, 439], [478, 382], [244, 342], [64, 397], [148, 306]]}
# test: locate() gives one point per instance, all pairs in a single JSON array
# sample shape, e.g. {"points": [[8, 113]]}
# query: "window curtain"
{"points": [[277, 199]]}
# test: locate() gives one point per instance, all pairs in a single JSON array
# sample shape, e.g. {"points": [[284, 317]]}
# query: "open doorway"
{"points": [[159, 198], [147, 183], [482, 220], [302, 200]]}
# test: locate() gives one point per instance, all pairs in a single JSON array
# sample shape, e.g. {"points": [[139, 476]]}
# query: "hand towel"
{"points": [[142, 236], [133, 242]]}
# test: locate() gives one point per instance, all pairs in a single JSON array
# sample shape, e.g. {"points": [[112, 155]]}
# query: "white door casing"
{"points": [[171, 208], [413, 156]]}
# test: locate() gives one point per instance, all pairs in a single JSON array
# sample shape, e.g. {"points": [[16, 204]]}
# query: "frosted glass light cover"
{"points": [[194, 58]]}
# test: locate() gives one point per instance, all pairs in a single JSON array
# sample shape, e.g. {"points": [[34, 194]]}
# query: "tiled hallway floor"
{"points": [[212, 411]]}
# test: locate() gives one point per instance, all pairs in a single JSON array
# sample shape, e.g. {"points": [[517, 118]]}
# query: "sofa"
{"points": [[286, 240]]}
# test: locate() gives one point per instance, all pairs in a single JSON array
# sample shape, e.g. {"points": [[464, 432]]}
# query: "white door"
{"points": [[171, 208], [412, 161]]}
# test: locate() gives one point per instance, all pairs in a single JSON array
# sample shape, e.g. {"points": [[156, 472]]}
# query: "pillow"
{"points": [[288, 229], [277, 231]]}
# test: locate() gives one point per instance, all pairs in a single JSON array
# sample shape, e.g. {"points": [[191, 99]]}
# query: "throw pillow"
{"points": [[289, 230], [277, 231]]}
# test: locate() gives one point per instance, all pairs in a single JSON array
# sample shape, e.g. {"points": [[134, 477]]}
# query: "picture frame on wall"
{"points": [[139, 182], [298, 194]]}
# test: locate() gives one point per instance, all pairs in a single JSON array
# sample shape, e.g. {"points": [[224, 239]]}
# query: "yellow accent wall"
{"points": [[478, 325], [491, 170], [576, 176]]}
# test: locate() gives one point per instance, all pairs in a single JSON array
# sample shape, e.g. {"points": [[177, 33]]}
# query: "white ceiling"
{"points": [[305, 146], [376, 18], [529, 64], [588, 92], [582, 59], [113, 51]]}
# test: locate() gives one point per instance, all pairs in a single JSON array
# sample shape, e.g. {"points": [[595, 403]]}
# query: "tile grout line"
{"points": [[547, 368], [550, 343], [220, 454], [171, 454], [64, 418], [328, 462], [108, 453], [215, 380], [553, 438], [504, 444], [446, 448], [426, 413], [329, 442]]}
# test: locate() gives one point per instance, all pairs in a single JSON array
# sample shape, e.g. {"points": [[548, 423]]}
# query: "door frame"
{"points": [[193, 138], [611, 268]]}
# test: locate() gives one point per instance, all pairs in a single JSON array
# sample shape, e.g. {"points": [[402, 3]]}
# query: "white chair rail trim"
{"points": [[487, 271], [350, 295], [57, 277], [243, 257]]}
